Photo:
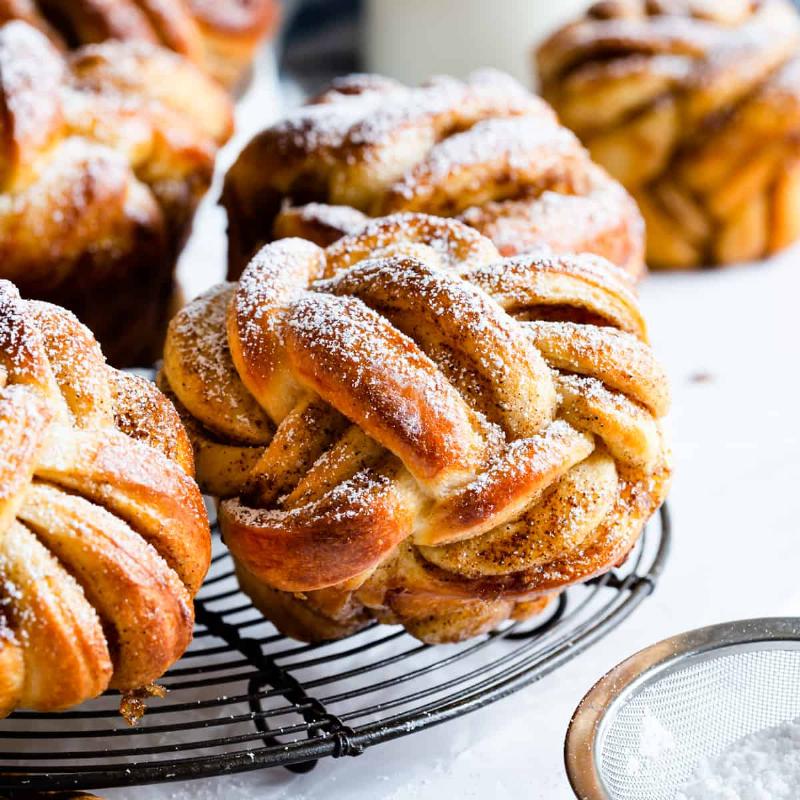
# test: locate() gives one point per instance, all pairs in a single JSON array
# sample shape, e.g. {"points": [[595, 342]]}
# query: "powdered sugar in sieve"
{"points": [[692, 712]]}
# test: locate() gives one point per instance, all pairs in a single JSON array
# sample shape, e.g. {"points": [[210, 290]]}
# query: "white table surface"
{"points": [[735, 499]]}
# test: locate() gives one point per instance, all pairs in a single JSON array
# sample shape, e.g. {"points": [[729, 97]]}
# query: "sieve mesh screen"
{"points": [[653, 744]]}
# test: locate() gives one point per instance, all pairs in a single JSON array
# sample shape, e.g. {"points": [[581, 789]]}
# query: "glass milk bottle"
{"points": [[413, 39]]}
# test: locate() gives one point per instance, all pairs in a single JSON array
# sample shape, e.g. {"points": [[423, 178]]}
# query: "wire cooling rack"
{"points": [[244, 697]]}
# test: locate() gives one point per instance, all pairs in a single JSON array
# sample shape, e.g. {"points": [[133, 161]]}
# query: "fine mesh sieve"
{"points": [[642, 730]]}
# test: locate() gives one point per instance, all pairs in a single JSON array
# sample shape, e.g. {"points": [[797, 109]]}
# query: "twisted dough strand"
{"points": [[452, 436]]}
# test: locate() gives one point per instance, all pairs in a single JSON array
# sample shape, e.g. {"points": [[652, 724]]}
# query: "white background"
{"points": [[735, 500]]}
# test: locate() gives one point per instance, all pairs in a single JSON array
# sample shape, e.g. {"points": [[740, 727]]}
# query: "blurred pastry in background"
{"points": [[220, 36], [106, 153], [485, 151], [406, 427], [104, 538], [695, 107]]}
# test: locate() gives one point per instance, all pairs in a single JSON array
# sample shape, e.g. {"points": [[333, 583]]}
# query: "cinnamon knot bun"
{"points": [[220, 36], [405, 426], [485, 151], [103, 160], [695, 107], [104, 538]]}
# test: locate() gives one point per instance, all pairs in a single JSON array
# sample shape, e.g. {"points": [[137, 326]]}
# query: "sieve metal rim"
{"points": [[601, 702]]}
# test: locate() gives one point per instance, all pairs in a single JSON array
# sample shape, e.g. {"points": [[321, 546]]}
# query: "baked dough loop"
{"points": [[104, 157], [104, 539], [220, 36], [405, 426], [695, 107], [485, 151]]}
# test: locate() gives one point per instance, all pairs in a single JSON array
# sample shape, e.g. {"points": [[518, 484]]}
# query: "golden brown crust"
{"points": [[221, 36], [12, 670], [299, 617], [695, 108], [103, 533], [103, 159], [143, 413], [485, 151], [452, 436]]}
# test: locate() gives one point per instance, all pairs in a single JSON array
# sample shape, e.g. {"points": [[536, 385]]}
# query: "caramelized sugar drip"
{"points": [[133, 704]]}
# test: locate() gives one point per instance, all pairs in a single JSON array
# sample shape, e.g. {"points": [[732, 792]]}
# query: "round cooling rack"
{"points": [[244, 697]]}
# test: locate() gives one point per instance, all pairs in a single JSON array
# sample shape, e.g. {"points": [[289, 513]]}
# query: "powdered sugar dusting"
{"points": [[205, 377], [518, 277], [21, 346], [366, 348], [457, 246], [30, 73], [343, 219], [524, 145], [372, 116]]}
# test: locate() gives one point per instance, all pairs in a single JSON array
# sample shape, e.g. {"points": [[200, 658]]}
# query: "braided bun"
{"points": [[103, 159], [103, 534], [404, 426], [485, 151], [695, 107]]}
